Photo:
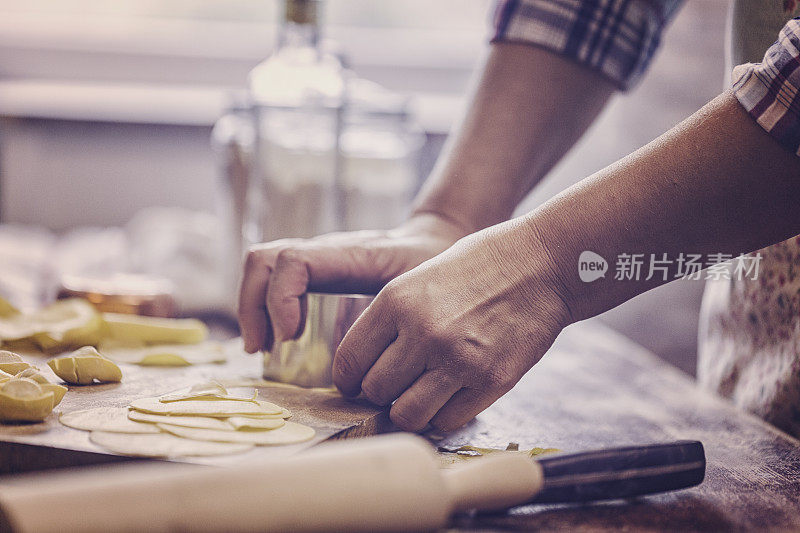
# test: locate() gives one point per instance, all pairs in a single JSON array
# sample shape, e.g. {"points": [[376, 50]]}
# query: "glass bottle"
{"points": [[298, 95]]}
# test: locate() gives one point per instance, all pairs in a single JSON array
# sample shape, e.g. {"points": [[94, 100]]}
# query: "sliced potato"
{"points": [[243, 423], [211, 408], [12, 363], [162, 445], [206, 391], [165, 354], [152, 330], [111, 419], [24, 400], [84, 366], [64, 324], [289, 433], [33, 373], [202, 422], [24, 346]]}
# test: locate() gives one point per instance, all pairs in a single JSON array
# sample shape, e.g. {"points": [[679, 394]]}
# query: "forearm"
{"points": [[527, 110], [716, 183]]}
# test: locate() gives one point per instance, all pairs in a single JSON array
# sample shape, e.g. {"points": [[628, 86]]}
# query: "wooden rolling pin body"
{"points": [[378, 484]]}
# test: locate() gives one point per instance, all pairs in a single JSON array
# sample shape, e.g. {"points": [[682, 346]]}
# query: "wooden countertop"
{"points": [[594, 389]]}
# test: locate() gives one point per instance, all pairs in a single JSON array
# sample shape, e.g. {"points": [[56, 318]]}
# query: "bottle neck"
{"points": [[298, 35], [300, 28]]}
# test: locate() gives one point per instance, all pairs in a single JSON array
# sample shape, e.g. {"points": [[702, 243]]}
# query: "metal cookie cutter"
{"points": [[308, 360]]}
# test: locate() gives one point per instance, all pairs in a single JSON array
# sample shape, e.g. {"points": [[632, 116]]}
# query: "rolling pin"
{"points": [[386, 483]]}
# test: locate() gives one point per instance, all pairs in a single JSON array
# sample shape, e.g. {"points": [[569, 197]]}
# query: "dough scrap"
{"points": [[211, 408], [109, 419], [202, 422], [289, 433], [206, 391], [162, 445]]}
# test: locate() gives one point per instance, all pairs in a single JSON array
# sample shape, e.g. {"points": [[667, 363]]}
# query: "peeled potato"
{"points": [[152, 330], [112, 419], [162, 445], [212, 408], [24, 400], [24, 346], [84, 366], [63, 324], [33, 373], [289, 433], [165, 354], [12, 363], [202, 422]]}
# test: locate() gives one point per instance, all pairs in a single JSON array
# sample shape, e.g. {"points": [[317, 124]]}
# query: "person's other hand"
{"points": [[448, 338], [278, 273]]}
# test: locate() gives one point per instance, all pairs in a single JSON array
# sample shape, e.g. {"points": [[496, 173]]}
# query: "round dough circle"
{"points": [[162, 445], [289, 433], [108, 419], [202, 422], [212, 408]]}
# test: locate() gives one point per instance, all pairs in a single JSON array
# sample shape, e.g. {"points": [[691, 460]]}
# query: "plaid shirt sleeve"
{"points": [[769, 90], [616, 37]]}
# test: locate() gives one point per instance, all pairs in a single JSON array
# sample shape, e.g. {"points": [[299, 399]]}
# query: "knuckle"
{"points": [[497, 378], [344, 364], [406, 420], [375, 392], [288, 257]]}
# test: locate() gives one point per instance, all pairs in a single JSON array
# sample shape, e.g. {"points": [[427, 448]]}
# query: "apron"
{"points": [[749, 335]]}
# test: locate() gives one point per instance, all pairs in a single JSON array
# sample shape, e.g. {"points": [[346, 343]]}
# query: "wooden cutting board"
{"points": [[27, 447]]}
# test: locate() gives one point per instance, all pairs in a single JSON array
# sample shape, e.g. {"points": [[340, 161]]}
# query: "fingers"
{"points": [[253, 320], [276, 274], [288, 282], [363, 344], [306, 266], [461, 408], [394, 371], [416, 406]]}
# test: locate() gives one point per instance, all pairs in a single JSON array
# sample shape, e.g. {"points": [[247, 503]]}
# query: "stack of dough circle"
{"points": [[203, 420]]}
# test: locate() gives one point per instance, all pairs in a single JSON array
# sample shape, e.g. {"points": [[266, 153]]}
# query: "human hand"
{"points": [[448, 338], [278, 273]]}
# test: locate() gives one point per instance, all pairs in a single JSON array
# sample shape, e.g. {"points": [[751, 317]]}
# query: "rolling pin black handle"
{"points": [[622, 472]]}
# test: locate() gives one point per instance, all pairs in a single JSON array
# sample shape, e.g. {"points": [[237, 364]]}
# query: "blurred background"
{"points": [[108, 111]]}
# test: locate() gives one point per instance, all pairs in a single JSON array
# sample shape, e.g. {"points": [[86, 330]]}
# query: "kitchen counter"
{"points": [[594, 389]]}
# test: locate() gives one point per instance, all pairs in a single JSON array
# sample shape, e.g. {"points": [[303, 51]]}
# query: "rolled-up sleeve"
{"points": [[616, 37], [769, 90]]}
